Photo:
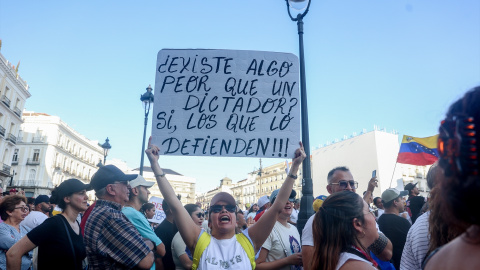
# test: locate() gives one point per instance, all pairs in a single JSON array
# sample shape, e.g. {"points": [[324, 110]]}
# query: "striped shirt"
{"points": [[112, 242], [416, 246]]}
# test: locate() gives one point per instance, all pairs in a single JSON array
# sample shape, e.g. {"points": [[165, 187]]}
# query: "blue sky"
{"points": [[395, 64]]}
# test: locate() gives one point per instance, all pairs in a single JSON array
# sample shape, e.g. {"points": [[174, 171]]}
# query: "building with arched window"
{"points": [[13, 94], [48, 151]]}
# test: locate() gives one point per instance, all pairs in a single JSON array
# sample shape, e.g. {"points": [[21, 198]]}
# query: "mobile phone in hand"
{"points": [[374, 173]]}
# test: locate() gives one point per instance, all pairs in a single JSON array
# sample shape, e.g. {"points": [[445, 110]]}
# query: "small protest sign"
{"points": [[226, 103], [159, 214]]}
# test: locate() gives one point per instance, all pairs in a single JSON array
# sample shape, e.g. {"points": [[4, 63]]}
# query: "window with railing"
{"points": [[32, 174], [36, 155], [15, 156]]}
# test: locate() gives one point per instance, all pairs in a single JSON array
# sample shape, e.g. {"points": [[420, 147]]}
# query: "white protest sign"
{"points": [[226, 103], [159, 214]]}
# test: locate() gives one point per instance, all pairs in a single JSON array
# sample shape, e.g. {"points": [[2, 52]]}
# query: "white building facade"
{"points": [[363, 153], [13, 95], [183, 186], [48, 152]]}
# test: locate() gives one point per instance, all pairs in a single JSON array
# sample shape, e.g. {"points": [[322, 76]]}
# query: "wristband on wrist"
{"points": [[379, 245], [293, 176], [160, 175]]}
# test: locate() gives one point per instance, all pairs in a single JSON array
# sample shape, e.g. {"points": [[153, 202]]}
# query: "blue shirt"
{"points": [[8, 237], [141, 223]]}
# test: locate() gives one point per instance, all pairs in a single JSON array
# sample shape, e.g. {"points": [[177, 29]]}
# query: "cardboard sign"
{"points": [[226, 103], [159, 214]]}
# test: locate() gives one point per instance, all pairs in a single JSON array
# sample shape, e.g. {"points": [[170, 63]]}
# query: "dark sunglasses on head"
{"points": [[200, 215], [344, 184], [218, 208]]}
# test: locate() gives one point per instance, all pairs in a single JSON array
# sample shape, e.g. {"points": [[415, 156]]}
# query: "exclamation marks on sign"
{"points": [[280, 148]]}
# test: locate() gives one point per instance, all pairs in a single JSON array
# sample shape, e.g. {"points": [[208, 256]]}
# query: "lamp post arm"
{"points": [[300, 15]]}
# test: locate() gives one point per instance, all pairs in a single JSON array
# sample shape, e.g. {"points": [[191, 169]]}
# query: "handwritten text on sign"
{"points": [[226, 103]]}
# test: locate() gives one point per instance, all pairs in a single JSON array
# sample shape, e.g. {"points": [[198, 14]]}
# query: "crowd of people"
{"points": [[398, 230]]}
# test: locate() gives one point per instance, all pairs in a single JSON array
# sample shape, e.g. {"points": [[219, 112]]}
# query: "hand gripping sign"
{"points": [[226, 103]]}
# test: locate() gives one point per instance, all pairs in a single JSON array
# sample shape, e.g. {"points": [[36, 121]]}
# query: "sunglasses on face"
{"points": [[200, 215], [218, 208], [344, 184]]}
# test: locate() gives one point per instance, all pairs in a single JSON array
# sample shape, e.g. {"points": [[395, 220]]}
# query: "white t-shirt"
{"points": [[290, 239], [307, 233], [225, 254], [294, 215], [345, 256], [34, 219], [178, 249], [251, 214], [380, 212]]}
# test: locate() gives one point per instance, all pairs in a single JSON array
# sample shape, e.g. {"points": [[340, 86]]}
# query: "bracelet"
{"points": [[292, 176], [160, 175], [379, 245]]}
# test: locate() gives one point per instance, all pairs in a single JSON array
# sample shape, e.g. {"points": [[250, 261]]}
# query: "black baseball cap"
{"points": [[66, 188], [107, 175], [40, 199], [410, 186]]}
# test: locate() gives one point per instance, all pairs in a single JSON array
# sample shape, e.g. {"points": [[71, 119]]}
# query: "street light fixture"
{"points": [[106, 147], [147, 100], [306, 210]]}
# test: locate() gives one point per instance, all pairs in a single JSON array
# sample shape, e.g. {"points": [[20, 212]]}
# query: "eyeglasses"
{"points": [[344, 184], [218, 208], [200, 215], [23, 208]]}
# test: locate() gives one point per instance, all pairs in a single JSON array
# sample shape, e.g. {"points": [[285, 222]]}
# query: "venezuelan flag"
{"points": [[418, 151]]}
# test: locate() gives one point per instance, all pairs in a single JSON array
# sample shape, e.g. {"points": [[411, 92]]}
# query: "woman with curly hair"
{"points": [[459, 147], [343, 228]]}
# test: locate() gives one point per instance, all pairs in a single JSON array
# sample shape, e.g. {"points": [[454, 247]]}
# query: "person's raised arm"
{"points": [[15, 253], [260, 231], [187, 228]]}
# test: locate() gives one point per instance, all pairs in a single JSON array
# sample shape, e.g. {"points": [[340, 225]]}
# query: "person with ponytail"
{"points": [[343, 228], [59, 240]]}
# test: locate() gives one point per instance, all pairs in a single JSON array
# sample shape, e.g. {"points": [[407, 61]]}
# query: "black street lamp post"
{"points": [[106, 147], [147, 100], [306, 202]]}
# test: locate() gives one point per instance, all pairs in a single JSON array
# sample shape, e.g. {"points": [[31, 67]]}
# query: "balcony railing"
{"points": [[11, 138], [15, 162], [31, 184], [5, 170], [5, 100], [17, 111], [2, 131], [32, 161], [38, 139]]}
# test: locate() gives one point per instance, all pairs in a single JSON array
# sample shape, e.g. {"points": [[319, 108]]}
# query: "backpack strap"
{"points": [[202, 244], [247, 246]]}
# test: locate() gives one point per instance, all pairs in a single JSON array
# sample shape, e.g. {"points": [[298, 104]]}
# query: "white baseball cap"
{"points": [[140, 181], [262, 201]]}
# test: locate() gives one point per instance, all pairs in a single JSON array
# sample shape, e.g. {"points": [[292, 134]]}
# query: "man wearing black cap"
{"points": [[282, 249], [414, 202], [37, 217], [111, 240]]}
